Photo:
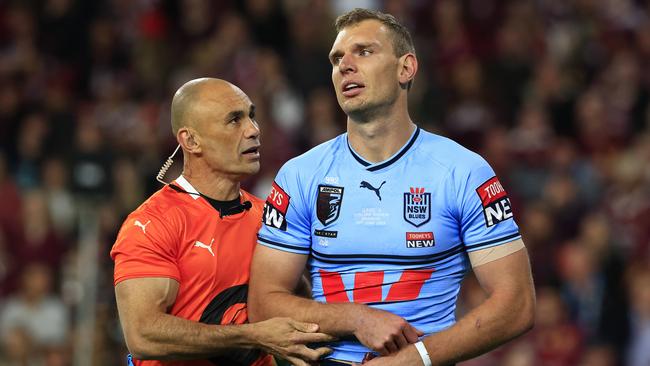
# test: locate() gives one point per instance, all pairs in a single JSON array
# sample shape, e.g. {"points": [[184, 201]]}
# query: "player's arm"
{"points": [[275, 274], [151, 333], [507, 312]]}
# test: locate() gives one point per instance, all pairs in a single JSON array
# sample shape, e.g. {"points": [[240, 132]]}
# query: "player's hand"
{"points": [[286, 338], [385, 332]]}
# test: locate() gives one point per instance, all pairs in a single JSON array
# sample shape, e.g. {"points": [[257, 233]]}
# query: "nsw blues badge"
{"points": [[417, 206], [328, 204]]}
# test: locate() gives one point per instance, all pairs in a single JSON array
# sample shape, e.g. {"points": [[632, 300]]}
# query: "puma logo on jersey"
{"points": [[141, 225], [369, 186], [204, 246]]}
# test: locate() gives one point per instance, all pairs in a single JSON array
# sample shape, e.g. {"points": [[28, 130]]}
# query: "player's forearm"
{"points": [[327, 316], [494, 322], [166, 337]]}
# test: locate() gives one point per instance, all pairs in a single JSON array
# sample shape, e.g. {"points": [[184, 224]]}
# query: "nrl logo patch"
{"points": [[417, 206], [328, 204]]}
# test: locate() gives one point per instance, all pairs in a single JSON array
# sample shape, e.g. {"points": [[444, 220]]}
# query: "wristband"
{"points": [[422, 350]]}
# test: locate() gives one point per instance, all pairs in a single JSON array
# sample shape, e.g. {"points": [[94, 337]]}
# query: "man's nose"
{"points": [[252, 129], [347, 64]]}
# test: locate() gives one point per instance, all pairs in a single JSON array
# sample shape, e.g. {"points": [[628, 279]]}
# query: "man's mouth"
{"points": [[351, 89], [252, 151]]}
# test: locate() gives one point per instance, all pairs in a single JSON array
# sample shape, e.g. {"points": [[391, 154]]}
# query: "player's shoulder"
{"points": [[315, 159], [448, 153]]}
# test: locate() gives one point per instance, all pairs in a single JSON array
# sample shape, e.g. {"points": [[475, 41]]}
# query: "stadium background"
{"points": [[553, 93]]}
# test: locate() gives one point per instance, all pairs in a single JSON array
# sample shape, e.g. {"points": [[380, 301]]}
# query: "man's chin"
{"points": [[360, 113], [253, 168], [246, 170], [353, 107]]}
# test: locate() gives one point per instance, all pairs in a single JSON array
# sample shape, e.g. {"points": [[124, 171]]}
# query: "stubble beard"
{"points": [[250, 169], [367, 111]]}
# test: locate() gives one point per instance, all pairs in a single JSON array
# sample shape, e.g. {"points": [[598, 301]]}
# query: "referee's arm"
{"points": [[153, 334]]}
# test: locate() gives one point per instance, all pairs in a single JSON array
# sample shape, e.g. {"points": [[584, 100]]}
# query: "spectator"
{"points": [[638, 282], [35, 316]]}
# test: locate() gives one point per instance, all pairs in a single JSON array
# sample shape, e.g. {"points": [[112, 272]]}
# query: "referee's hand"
{"points": [[287, 339]]}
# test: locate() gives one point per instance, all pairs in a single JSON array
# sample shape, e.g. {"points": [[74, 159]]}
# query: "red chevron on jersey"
{"points": [[368, 286]]}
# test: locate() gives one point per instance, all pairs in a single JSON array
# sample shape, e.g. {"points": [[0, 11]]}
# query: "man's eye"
{"points": [[365, 52], [336, 60]]}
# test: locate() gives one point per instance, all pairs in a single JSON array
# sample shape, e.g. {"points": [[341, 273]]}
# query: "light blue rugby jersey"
{"points": [[394, 234]]}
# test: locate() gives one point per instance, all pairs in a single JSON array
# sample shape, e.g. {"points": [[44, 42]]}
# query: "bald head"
{"points": [[193, 95], [214, 123]]}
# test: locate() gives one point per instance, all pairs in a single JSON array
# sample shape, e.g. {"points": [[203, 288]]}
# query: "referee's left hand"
{"points": [[287, 338]]}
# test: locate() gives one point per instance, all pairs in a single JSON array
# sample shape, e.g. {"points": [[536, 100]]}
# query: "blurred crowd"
{"points": [[551, 92]]}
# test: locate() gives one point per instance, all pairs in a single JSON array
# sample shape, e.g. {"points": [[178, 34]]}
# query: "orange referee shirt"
{"points": [[179, 235]]}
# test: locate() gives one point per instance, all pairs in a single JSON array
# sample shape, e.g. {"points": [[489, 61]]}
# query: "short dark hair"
{"points": [[402, 41]]}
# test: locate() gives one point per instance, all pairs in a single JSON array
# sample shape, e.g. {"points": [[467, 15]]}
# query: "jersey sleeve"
{"points": [[145, 247], [285, 220], [484, 210]]}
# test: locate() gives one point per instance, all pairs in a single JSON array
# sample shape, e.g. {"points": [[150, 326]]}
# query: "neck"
{"points": [[381, 138], [210, 184]]}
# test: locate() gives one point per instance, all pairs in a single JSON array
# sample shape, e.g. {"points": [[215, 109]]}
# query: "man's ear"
{"points": [[189, 140], [408, 67]]}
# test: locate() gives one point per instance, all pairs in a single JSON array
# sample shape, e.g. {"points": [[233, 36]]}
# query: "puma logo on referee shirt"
{"points": [[141, 225], [204, 246], [369, 186]]}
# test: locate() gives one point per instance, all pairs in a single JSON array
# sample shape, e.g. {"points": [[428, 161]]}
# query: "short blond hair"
{"points": [[402, 41]]}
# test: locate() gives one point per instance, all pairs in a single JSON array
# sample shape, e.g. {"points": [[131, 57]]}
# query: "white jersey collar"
{"points": [[183, 183]]}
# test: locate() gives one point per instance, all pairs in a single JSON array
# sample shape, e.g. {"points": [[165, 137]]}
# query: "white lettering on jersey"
{"points": [[273, 217], [332, 180], [498, 212]]}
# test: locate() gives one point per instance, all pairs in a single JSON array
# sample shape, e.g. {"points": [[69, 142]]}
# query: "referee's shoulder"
{"points": [[162, 203]]}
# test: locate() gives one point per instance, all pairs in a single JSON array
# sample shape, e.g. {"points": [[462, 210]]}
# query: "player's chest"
{"points": [[398, 214]]}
